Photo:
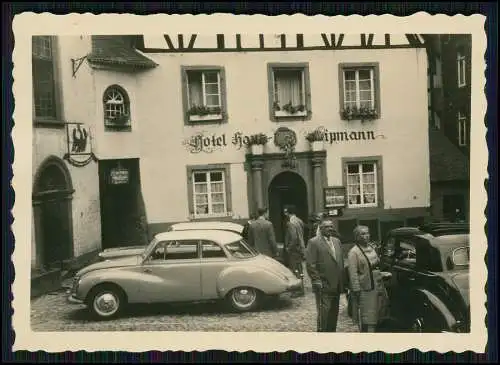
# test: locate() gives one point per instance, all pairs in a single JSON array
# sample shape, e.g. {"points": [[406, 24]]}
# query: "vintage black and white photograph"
{"points": [[267, 181]]}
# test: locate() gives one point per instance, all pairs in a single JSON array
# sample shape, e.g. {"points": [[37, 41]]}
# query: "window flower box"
{"points": [[362, 113], [257, 143], [198, 118], [289, 110], [119, 120], [202, 113], [316, 140]]}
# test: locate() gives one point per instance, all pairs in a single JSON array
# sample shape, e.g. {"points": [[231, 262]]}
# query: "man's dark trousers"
{"points": [[327, 306]]}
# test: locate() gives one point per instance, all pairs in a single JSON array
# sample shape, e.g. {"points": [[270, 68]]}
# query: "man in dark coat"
{"points": [[294, 244], [261, 235], [246, 227], [325, 266]]}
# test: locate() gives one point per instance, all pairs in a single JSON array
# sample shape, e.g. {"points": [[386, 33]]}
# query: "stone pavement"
{"points": [[51, 313]]}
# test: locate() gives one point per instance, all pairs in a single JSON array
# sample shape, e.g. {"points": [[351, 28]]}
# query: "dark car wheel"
{"points": [[106, 302], [244, 299]]}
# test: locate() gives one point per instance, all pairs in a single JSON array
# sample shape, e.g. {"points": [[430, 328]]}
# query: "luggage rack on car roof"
{"points": [[445, 228]]}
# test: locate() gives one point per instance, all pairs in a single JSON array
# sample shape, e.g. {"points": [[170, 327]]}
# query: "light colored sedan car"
{"points": [[116, 252], [183, 266]]}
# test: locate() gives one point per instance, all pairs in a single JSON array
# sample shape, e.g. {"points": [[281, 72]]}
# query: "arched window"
{"points": [[116, 106]]}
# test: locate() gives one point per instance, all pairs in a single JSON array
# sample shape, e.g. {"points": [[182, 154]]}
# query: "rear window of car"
{"points": [[240, 250]]}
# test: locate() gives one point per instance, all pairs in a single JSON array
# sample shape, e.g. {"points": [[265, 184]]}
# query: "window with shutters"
{"points": [[204, 94]]}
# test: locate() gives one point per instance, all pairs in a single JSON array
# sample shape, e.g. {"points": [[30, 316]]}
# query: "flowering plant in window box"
{"points": [[256, 143], [289, 110], [121, 119], [362, 113], [202, 112], [316, 138]]}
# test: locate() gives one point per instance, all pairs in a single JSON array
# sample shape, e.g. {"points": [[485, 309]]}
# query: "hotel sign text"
{"points": [[209, 142]]}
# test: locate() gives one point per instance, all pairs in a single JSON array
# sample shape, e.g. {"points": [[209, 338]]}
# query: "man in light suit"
{"points": [[261, 235], [325, 266], [294, 244]]}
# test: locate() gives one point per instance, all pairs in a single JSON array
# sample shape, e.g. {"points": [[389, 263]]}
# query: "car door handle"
{"points": [[411, 278], [149, 271]]}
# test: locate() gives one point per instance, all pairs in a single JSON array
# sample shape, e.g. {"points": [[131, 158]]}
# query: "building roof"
{"points": [[112, 50], [447, 162]]}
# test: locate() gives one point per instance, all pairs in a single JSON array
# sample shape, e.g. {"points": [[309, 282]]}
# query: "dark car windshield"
{"points": [[240, 249], [461, 256]]}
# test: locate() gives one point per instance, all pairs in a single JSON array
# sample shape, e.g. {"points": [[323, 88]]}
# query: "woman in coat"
{"points": [[370, 301]]}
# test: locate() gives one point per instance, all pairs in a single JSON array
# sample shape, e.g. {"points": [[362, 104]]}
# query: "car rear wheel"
{"points": [[244, 299], [106, 301]]}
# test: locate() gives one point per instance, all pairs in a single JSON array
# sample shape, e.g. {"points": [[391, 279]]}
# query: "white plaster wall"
{"points": [[77, 106], [403, 123]]}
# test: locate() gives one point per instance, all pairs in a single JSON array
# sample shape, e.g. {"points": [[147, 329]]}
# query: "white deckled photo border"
{"points": [[27, 24]]}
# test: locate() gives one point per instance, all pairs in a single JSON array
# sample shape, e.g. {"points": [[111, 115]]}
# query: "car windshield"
{"points": [[240, 250], [148, 248], [461, 256]]}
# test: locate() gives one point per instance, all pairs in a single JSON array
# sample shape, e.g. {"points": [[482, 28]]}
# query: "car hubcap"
{"points": [[417, 325], [244, 297], [106, 304]]}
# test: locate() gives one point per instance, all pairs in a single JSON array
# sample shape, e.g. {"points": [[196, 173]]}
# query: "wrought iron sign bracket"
{"points": [[76, 63], [91, 157]]}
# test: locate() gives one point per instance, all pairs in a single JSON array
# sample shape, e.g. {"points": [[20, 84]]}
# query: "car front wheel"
{"points": [[106, 302], [244, 299]]}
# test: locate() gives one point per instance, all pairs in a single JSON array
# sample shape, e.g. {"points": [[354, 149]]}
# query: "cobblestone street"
{"points": [[51, 313]]}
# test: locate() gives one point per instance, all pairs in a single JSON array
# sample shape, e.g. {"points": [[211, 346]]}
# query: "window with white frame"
{"points": [[461, 70], [289, 91], [204, 94], [359, 92], [44, 93], [116, 107], [362, 187], [209, 192], [462, 129]]}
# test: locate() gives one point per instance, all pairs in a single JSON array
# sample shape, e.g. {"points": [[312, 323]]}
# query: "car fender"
{"points": [[128, 280], [439, 306], [252, 276]]}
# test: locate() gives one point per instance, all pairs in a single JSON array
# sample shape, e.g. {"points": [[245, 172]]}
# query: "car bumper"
{"points": [[74, 300], [294, 285]]}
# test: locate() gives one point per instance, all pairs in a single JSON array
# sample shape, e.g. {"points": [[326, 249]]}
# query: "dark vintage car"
{"points": [[429, 287]]}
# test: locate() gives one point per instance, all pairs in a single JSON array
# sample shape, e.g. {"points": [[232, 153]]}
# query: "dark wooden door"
{"points": [[287, 189], [120, 215], [56, 235]]}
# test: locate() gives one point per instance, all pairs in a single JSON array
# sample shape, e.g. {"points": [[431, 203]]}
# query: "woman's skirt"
{"points": [[373, 304]]}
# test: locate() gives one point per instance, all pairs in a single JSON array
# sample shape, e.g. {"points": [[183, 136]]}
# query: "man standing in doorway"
{"points": [[261, 235], [325, 266], [294, 245]]}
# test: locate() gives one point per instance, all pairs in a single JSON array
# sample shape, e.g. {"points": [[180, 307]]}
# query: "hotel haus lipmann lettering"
{"points": [[204, 142]]}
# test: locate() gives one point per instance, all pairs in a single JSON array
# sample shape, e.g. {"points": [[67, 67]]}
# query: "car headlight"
{"points": [[76, 283]]}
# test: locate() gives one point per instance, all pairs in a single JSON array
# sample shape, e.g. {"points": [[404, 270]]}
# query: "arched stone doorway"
{"points": [[286, 188], [52, 210]]}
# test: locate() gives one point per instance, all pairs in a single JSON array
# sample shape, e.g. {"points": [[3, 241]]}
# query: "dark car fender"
{"points": [[438, 305]]}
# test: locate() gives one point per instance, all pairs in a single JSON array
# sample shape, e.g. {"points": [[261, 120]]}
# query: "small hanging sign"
{"points": [[335, 197], [79, 145], [119, 176]]}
